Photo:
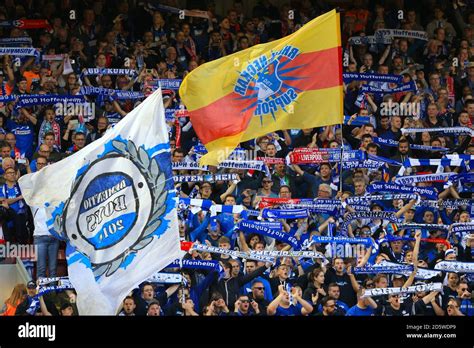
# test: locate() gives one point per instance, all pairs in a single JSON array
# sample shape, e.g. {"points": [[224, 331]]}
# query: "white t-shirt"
{"points": [[39, 217]]}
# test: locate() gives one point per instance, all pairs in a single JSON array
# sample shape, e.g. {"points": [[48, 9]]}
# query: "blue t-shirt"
{"points": [[25, 136], [10, 193], [291, 311], [359, 312]]}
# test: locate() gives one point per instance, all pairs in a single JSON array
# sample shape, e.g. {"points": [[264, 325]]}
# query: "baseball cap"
{"points": [[31, 285], [449, 252]]}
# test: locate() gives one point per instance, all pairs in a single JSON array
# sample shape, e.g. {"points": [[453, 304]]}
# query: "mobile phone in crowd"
{"points": [[21, 161]]}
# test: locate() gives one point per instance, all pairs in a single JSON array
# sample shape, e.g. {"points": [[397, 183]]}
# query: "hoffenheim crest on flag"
{"points": [[266, 81], [114, 204]]}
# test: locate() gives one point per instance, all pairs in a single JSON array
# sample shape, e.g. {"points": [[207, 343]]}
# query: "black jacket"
{"points": [[230, 288]]}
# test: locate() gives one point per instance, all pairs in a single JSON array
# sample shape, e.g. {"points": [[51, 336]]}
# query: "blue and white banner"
{"points": [[369, 163], [173, 84], [394, 143], [8, 98], [347, 155], [270, 229], [369, 40], [303, 254], [462, 228], [112, 94], [232, 253], [422, 273], [448, 130], [48, 99], [407, 87], [399, 269], [409, 290], [456, 203], [248, 165], [210, 265], [114, 204], [440, 163], [126, 95], [428, 148], [358, 121], [413, 179], [108, 71], [381, 35], [340, 240], [371, 215], [188, 166], [19, 51], [204, 204], [285, 213], [166, 278], [348, 77], [14, 41], [455, 266], [208, 177], [427, 192], [415, 226], [92, 90]]}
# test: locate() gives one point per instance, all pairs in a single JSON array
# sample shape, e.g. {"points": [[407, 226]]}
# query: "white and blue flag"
{"points": [[114, 204]]}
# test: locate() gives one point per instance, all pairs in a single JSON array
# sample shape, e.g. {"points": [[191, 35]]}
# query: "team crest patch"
{"points": [[266, 82], [116, 206]]}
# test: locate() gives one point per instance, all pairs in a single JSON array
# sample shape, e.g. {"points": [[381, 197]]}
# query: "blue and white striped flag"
{"points": [[114, 204]]}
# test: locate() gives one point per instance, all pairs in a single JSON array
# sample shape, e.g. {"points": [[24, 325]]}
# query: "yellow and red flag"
{"points": [[291, 83]]}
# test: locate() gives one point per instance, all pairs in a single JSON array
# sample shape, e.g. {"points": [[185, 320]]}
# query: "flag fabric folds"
{"points": [[114, 204], [293, 82]]}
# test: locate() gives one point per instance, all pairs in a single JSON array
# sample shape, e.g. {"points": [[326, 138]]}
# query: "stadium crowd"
{"points": [[157, 43]]}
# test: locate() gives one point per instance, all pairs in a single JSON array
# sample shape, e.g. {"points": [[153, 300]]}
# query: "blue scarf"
{"points": [[173, 84], [381, 35], [412, 179], [455, 266], [208, 177], [417, 226], [394, 143], [410, 86], [383, 269], [456, 203], [19, 51], [47, 99], [359, 120], [449, 130], [370, 164], [340, 240], [430, 193], [8, 98], [9, 41], [108, 71], [210, 265], [348, 77], [188, 166], [461, 228], [285, 213], [382, 215], [270, 229]]}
